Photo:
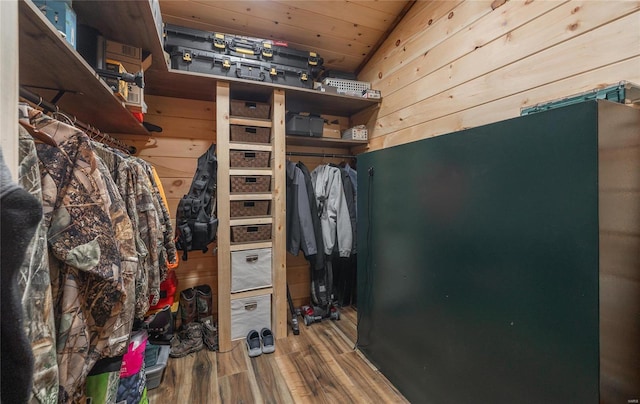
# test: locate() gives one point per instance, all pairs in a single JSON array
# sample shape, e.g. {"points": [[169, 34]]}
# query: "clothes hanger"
{"points": [[37, 134], [57, 114]]}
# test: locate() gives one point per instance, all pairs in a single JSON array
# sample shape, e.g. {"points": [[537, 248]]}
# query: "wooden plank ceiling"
{"points": [[345, 33]]}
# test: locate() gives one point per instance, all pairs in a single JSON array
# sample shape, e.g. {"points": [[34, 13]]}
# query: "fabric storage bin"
{"points": [[250, 134], [258, 232], [257, 183], [250, 269], [245, 158], [250, 109], [249, 208], [250, 313]]}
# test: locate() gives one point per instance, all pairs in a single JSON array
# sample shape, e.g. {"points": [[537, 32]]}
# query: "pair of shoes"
{"points": [[187, 341], [209, 333], [195, 304], [258, 344]]}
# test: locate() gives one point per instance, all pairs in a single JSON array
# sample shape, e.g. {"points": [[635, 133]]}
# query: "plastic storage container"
{"points": [[155, 372]]}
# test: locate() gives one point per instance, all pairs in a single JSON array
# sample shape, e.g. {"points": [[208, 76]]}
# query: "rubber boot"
{"points": [[204, 301], [188, 307]]}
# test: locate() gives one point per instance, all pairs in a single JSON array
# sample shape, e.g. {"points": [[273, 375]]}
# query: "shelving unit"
{"points": [[273, 294], [181, 84], [86, 96]]}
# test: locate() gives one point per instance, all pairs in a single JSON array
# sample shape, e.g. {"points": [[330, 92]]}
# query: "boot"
{"points": [[188, 307], [204, 301], [209, 333], [189, 341]]}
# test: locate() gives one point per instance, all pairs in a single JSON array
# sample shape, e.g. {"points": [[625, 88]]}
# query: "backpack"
{"points": [[196, 223]]}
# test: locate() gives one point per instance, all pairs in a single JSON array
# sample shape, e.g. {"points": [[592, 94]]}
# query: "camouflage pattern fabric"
{"points": [[35, 286], [168, 249], [128, 256], [149, 227], [150, 220], [87, 284]]}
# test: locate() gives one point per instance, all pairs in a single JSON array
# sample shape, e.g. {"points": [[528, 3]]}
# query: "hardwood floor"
{"points": [[317, 366]]}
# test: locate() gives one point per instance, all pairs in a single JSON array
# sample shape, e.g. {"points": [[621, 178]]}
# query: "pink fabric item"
{"points": [[134, 358]]}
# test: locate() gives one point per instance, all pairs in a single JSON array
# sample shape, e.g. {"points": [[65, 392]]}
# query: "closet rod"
{"points": [[329, 155], [49, 107]]}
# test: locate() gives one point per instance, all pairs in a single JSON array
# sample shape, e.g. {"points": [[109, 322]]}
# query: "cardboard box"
{"points": [[334, 125], [123, 52], [331, 133], [61, 16]]}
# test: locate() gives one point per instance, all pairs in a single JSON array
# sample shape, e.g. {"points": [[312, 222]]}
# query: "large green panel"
{"points": [[478, 262]]}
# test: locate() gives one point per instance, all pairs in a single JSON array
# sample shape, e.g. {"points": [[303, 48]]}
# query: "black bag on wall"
{"points": [[196, 223]]}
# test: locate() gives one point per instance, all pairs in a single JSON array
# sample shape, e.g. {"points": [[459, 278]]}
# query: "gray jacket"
{"points": [[333, 210]]}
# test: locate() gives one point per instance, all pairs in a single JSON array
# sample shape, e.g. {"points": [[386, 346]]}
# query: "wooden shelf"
{"points": [[251, 146], [323, 141], [261, 196], [250, 171], [128, 22], [238, 120], [49, 64], [250, 220], [182, 84], [250, 246]]}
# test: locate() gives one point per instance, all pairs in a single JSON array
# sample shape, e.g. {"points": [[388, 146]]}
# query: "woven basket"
{"points": [[251, 134], [258, 232], [249, 208], [256, 159], [250, 109], [258, 183]]}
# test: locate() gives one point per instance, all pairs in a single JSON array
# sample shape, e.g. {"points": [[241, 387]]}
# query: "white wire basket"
{"points": [[347, 85]]}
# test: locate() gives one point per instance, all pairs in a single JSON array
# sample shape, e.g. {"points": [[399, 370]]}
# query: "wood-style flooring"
{"points": [[317, 366]]}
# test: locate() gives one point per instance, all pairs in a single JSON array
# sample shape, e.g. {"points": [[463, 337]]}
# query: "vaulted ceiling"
{"points": [[345, 33]]}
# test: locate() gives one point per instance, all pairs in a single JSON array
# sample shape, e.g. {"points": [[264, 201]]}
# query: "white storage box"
{"points": [[250, 269], [250, 313], [356, 133]]}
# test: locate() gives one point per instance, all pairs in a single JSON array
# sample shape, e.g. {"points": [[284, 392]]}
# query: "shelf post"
{"points": [[279, 297], [224, 209]]}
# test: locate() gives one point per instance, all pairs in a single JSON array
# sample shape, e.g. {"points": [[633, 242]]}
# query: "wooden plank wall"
{"points": [[188, 131], [619, 217], [451, 65]]}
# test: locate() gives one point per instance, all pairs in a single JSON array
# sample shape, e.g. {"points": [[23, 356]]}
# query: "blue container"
{"points": [[61, 16]]}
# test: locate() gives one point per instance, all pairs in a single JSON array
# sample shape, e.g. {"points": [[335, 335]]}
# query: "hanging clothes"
{"points": [[35, 287], [333, 210], [350, 198], [20, 213], [88, 289], [300, 231], [125, 176], [128, 256], [316, 261]]}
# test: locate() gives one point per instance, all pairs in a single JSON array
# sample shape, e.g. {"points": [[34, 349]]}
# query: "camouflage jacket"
{"points": [[88, 288], [35, 287]]}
